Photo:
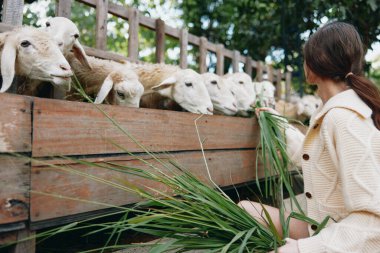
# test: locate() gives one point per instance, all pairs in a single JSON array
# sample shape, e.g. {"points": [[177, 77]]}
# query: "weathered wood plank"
{"points": [[226, 168], [133, 39], [14, 189], [202, 55], [26, 245], [75, 128], [220, 60], [248, 66], [15, 123], [235, 61], [278, 83], [101, 24], [288, 83], [270, 73], [160, 41], [12, 12], [63, 8], [259, 71], [183, 42]]}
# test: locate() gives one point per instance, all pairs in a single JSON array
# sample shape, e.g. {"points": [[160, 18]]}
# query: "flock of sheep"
{"points": [[53, 54]]}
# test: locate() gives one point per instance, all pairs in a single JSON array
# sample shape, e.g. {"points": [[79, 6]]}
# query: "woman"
{"points": [[340, 154]]}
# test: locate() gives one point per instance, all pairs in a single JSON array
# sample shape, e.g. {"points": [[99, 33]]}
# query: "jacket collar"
{"points": [[346, 99]]}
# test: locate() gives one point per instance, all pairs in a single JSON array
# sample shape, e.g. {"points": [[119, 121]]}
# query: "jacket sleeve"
{"points": [[357, 145], [294, 142]]}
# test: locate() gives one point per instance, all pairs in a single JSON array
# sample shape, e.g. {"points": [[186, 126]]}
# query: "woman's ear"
{"points": [[309, 75]]}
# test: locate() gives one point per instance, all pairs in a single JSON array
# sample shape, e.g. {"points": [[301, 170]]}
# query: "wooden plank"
{"points": [[288, 83], [160, 41], [15, 123], [75, 128], [259, 71], [220, 60], [202, 55], [278, 83], [25, 245], [183, 42], [235, 61], [14, 189], [270, 73], [63, 8], [101, 24], [228, 53], [248, 66], [133, 40], [12, 12], [226, 168], [194, 40]]}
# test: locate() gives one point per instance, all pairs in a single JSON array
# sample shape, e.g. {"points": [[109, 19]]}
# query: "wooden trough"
{"points": [[34, 195]]}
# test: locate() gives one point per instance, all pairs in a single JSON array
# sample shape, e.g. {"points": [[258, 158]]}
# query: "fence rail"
{"points": [[13, 16]]}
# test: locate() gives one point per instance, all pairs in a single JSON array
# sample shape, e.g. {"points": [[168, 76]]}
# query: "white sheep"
{"points": [[307, 105], [66, 34], [222, 99], [31, 53], [265, 90], [242, 88], [109, 81], [184, 86]]}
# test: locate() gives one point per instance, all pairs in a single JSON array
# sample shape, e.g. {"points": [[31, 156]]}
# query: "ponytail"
{"points": [[368, 92]]}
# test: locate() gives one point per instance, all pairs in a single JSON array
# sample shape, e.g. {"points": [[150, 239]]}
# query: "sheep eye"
{"points": [[188, 84], [316, 106], [25, 43], [241, 82], [47, 24], [120, 94], [76, 36], [214, 82]]}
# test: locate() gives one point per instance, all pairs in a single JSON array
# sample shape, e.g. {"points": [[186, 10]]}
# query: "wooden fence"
{"points": [[33, 195]]}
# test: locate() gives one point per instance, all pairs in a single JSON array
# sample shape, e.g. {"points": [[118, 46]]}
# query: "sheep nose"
{"points": [[210, 109]]}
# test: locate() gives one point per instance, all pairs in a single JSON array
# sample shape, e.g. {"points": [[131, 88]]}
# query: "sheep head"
{"points": [[308, 104], [265, 89], [66, 34], [30, 52], [221, 97], [122, 87], [186, 87], [242, 88]]}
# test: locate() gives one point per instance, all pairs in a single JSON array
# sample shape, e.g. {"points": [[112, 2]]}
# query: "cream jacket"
{"points": [[340, 160]]}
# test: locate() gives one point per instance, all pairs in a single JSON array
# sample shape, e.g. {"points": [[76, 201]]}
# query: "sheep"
{"points": [[66, 34], [99, 77], [221, 97], [242, 88], [307, 105], [166, 83], [31, 53], [104, 77], [265, 90]]}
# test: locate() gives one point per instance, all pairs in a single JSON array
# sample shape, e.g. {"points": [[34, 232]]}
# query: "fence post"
{"points": [[101, 24], [63, 8], [220, 59], [202, 55], [133, 40], [278, 83], [270, 73], [160, 41], [248, 66], [12, 12], [259, 71], [183, 40], [288, 82], [235, 61]]}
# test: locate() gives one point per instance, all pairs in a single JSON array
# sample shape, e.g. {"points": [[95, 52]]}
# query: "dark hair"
{"points": [[335, 51]]}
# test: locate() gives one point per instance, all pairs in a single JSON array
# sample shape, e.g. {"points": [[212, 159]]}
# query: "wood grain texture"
{"points": [[101, 24], [74, 128], [220, 59], [14, 189], [15, 123], [235, 61], [12, 12], [160, 41], [63, 8], [226, 168], [133, 39], [183, 43], [203, 55]]}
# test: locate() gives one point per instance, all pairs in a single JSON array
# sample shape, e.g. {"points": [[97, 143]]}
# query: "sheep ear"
{"points": [[8, 60], [80, 54], [300, 108], [164, 88], [104, 90]]}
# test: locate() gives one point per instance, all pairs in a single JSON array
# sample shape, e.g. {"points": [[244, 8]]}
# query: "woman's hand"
{"points": [[266, 109], [291, 246]]}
